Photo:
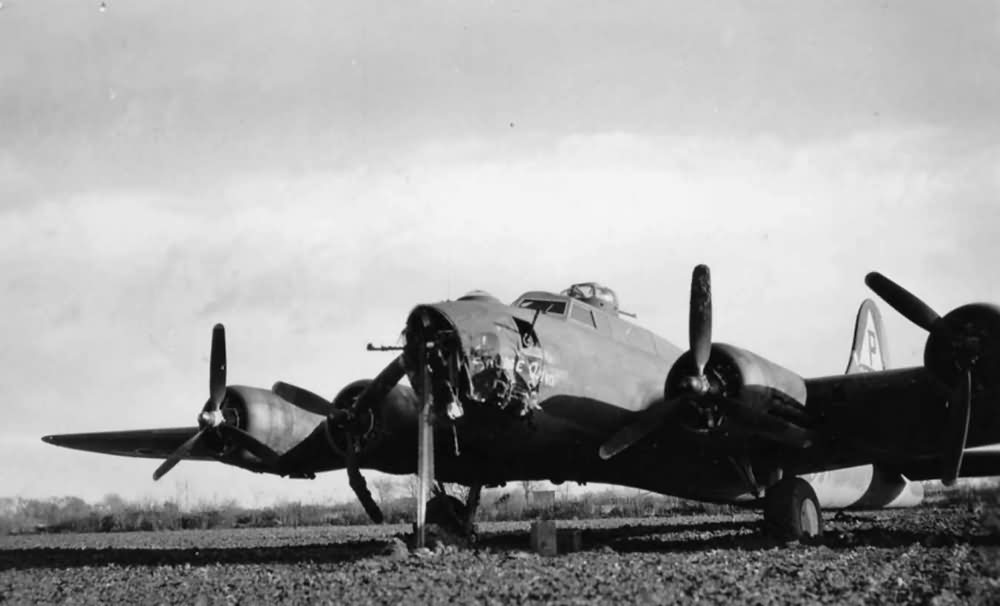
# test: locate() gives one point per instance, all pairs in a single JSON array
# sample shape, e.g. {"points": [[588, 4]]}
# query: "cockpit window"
{"points": [[580, 291], [596, 295], [557, 308]]}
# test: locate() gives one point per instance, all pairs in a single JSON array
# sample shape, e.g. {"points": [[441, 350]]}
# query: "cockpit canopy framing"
{"points": [[594, 294]]}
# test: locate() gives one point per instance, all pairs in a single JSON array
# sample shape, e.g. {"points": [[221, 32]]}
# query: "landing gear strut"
{"points": [[791, 510]]}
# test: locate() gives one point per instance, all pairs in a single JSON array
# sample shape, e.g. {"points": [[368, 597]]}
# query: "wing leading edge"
{"points": [[143, 443]]}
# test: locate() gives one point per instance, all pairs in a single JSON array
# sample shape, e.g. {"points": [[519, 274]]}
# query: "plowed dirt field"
{"points": [[930, 556]]}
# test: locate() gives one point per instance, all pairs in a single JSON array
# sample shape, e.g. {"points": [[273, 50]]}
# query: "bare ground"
{"points": [[923, 556]]}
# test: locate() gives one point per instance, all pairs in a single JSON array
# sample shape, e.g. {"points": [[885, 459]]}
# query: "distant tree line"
{"points": [[115, 514], [397, 501]]}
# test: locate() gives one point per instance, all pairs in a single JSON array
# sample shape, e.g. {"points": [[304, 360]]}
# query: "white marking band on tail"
{"points": [[869, 354], [867, 348]]}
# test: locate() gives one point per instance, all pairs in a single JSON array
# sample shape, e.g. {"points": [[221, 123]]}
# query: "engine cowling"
{"points": [[268, 419], [740, 384], [966, 337], [395, 415]]}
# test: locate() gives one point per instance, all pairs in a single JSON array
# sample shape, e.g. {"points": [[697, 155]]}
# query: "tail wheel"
{"points": [[791, 510]]}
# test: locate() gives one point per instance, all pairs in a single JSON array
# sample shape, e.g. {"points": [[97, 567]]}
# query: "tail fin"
{"points": [[868, 351]]}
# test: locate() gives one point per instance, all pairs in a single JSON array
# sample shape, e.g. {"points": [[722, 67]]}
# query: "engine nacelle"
{"points": [[967, 335], [268, 418], [395, 415], [737, 378]]}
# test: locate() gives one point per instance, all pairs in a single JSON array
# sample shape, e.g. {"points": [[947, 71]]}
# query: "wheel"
{"points": [[447, 512], [791, 510]]}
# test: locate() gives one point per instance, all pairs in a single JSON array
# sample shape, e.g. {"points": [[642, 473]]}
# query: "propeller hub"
{"points": [[211, 415], [211, 418], [965, 339], [695, 384]]}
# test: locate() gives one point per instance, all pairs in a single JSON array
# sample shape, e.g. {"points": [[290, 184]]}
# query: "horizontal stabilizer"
{"points": [[145, 443]]}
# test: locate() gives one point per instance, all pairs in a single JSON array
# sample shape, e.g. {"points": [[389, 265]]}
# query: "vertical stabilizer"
{"points": [[868, 351], [879, 487]]}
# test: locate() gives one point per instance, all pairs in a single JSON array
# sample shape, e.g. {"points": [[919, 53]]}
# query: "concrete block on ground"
{"points": [[543, 538]]}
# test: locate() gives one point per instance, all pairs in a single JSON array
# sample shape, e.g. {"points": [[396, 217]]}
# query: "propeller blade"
{"points": [[358, 484], [700, 319], [425, 446], [181, 453], [303, 398], [648, 421], [902, 300], [217, 367], [247, 441], [381, 385], [957, 429]]}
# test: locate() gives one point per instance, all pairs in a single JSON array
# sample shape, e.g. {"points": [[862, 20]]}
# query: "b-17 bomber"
{"points": [[566, 387]]}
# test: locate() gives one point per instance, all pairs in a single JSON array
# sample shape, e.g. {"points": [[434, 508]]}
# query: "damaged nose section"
{"points": [[436, 333], [475, 357]]}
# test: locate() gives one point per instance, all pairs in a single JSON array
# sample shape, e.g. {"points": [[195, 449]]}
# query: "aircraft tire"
{"points": [[791, 510], [446, 511]]}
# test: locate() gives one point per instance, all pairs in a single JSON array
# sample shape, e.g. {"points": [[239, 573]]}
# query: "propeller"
{"points": [[647, 421], [217, 367], [700, 319], [903, 301], [211, 417], [349, 421], [700, 341], [181, 453], [956, 430], [357, 481], [303, 398]]}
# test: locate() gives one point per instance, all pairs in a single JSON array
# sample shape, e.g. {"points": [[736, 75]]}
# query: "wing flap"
{"points": [[143, 443]]}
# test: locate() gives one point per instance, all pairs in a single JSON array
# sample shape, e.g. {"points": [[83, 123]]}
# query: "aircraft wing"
{"points": [[144, 443], [897, 418], [893, 411], [975, 464], [909, 419]]}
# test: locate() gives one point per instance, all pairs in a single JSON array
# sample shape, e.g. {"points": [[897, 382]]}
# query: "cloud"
{"points": [[159, 101]]}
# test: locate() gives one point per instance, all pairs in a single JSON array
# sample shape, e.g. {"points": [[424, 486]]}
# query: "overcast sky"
{"points": [[306, 172]]}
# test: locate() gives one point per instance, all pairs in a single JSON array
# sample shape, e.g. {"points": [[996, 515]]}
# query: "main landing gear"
{"points": [[791, 510], [452, 516]]}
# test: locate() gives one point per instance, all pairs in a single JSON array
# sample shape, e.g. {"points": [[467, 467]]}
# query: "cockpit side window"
{"points": [[594, 294], [556, 308], [581, 291]]}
